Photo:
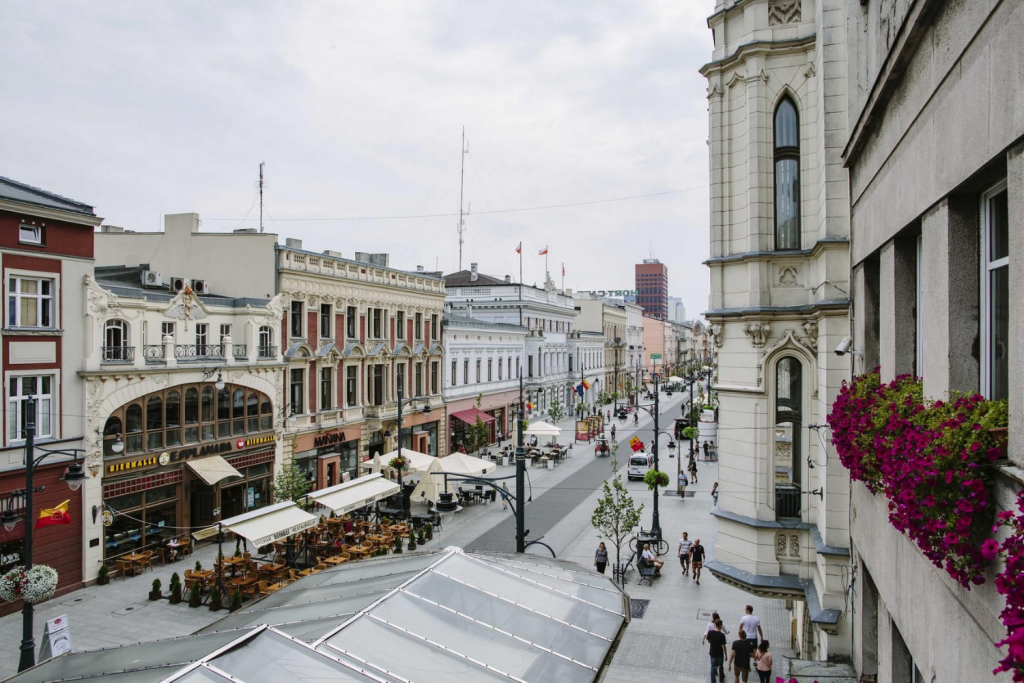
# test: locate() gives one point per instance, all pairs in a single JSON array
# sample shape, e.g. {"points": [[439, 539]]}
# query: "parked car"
{"points": [[639, 464]]}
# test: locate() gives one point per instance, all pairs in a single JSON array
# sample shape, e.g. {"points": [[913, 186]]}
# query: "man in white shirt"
{"points": [[684, 553], [650, 557], [752, 625]]}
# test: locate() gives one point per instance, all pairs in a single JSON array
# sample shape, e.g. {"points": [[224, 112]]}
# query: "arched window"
{"points": [[191, 415], [111, 430], [787, 176], [209, 426], [252, 412], [238, 409], [116, 342], [788, 434], [172, 418], [224, 413], [133, 428], [154, 423]]}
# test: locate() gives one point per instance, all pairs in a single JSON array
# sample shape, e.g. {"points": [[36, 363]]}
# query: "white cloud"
{"points": [[150, 108]]}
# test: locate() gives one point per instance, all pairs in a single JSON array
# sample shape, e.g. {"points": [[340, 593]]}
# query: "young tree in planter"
{"points": [[236, 600], [555, 411], [476, 436], [616, 515], [215, 599], [195, 597], [175, 588], [155, 593], [290, 483]]}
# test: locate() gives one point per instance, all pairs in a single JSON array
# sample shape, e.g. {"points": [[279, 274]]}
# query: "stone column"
{"points": [[1015, 197], [897, 295]]}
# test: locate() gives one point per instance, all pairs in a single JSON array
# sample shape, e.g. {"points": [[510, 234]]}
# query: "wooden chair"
{"points": [[191, 578], [125, 566], [146, 560], [294, 575], [186, 545], [264, 588], [320, 566]]}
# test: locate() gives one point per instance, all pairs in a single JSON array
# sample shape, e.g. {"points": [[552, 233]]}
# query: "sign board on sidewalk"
{"points": [[636, 444], [582, 430], [56, 638], [202, 534]]}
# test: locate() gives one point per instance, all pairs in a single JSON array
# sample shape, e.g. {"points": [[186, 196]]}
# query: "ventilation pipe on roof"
{"points": [[473, 275]]}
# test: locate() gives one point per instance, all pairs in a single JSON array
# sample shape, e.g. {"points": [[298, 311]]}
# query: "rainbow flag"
{"points": [[51, 516]]}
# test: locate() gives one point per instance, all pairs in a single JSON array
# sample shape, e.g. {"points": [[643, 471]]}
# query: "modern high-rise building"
{"points": [[652, 288], [676, 309]]}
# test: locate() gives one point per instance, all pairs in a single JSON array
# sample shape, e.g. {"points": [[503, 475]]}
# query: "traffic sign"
{"points": [[655, 356]]}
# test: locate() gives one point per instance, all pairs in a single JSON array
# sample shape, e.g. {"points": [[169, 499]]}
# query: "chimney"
{"points": [[473, 275], [293, 243], [420, 269], [335, 254], [508, 279]]}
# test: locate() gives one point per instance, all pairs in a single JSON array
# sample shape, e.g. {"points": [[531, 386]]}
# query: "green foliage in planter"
{"points": [[104, 572], [398, 544], [691, 433], [412, 541], [195, 596], [429, 530], [175, 589], [236, 599], [199, 566], [421, 536], [215, 596], [156, 585], [655, 478]]}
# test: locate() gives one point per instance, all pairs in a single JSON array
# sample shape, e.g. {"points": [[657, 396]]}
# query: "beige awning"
{"points": [[272, 523], [355, 494], [213, 469]]}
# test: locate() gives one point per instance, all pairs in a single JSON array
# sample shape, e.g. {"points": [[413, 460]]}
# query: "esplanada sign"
{"points": [[609, 292]]}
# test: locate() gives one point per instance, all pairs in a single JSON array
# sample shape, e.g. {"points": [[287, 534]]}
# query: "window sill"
{"points": [[32, 332]]}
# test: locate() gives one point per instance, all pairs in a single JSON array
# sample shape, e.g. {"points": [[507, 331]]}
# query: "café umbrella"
{"points": [[266, 525]]}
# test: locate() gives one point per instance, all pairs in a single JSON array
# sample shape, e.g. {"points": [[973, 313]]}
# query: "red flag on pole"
{"points": [[519, 249], [543, 251]]}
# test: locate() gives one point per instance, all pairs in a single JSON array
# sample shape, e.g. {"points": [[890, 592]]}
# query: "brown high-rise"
{"points": [[652, 288]]}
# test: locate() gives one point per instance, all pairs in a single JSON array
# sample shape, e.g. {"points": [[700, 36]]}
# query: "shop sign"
{"points": [[202, 534], [331, 439], [132, 464], [284, 533], [256, 441], [108, 518], [200, 451]]}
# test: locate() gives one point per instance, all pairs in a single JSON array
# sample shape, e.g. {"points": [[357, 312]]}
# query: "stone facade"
{"points": [[936, 167], [779, 303]]}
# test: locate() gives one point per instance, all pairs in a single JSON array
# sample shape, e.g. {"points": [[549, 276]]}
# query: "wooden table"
{"points": [[126, 562], [174, 546], [274, 587], [308, 572], [334, 561]]}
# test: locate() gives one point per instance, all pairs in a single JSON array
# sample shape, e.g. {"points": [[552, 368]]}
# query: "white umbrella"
{"points": [[460, 463], [543, 429], [430, 486], [673, 378]]}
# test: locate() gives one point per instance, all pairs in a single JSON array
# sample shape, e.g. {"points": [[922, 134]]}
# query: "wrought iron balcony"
{"points": [[787, 501], [153, 353], [118, 354], [266, 352], [198, 351], [240, 351]]}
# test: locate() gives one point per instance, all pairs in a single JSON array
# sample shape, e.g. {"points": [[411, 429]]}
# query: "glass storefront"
{"points": [[421, 438], [239, 496], [142, 519]]}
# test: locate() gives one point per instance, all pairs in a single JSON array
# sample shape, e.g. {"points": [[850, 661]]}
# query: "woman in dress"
{"points": [[601, 557]]}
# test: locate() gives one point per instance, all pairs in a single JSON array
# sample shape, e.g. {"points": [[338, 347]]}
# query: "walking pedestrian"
{"points": [[764, 662], [740, 658], [716, 641], [696, 559], [504, 495], [683, 483], [693, 470], [601, 557], [636, 419], [711, 627], [613, 432], [499, 436], [714, 493], [707, 451], [684, 553], [752, 625]]}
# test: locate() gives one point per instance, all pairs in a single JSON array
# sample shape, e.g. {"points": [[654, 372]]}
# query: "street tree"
{"points": [[555, 411], [616, 515], [291, 483]]}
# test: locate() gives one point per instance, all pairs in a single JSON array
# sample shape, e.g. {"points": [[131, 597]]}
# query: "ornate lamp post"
{"points": [[74, 478], [426, 411]]}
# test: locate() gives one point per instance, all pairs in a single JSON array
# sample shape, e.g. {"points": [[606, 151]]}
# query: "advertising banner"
{"points": [[583, 430]]}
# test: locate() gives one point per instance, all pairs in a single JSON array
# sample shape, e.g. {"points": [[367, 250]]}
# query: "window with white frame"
{"points": [[433, 327], [326, 388], [166, 330], [434, 370], [490, 369], [30, 302], [325, 321], [266, 342], [501, 366], [378, 327], [455, 373], [297, 392], [225, 331], [30, 234], [351, 393], [478, 371], [465, 371], [20, 388], [295, 320], [202, 338], [115, 341], [995, 292], [400, 325], [350, 322], [418, 327]]}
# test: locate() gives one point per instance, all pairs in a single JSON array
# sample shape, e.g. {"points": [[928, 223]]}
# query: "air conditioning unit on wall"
{"points": [[201, 286], [151, 278], [178, 284]]}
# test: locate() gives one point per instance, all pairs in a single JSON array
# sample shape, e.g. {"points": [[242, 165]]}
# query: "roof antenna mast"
{"points": [[262, 164], [462, 182]]}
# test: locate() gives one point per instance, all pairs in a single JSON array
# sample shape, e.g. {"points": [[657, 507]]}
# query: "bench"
{"points": [[647, 571]]}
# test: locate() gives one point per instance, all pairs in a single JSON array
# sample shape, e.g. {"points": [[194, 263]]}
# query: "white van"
{"points": [[639, 465]]}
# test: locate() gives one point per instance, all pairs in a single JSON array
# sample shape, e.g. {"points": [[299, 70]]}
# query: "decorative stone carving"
{"points": [[780, 545], [811, 329], [758, 333], [782, 12], [788, 276], [716, 334], [186, 306], [794, 546], [806, 353]]}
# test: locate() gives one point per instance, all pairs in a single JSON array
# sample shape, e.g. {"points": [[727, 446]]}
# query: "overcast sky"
{"points": [[147, 108]]}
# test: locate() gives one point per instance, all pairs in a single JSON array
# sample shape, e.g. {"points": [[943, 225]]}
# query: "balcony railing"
{"points": [[787, 501], [188, 351], [240, 351], [153, 353], [267, 352], [118, 354]]}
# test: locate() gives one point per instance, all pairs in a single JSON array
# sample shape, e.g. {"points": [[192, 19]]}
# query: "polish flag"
{"points": [[563, 270], [543, 251], [519, 249]]}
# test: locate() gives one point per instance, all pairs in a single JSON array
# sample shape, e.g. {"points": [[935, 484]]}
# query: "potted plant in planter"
{"points": [[195, 596], [215, 599], [236, 600], [398, 544], [103, 577], [421, 536], [199, 566], [155, 594], [175, 588], [412, 541], [430, 531], [398, 463]]}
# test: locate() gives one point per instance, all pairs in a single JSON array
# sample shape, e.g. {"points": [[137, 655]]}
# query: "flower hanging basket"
{"points": [[398, 463], [33, 586]]}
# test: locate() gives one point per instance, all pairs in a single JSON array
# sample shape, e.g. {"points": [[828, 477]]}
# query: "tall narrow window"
{"points": [[295, 320], [325, 321], [266, 345], [351, 395], [116, 341], [455, 373], [433, 327], [434, 369], [478, 371], [995, 271], [400, 325], [787, 176], [788, 433], [419, 379], [417, 331], [297, 393], [350, 322], [465, 371], [326, 387]]}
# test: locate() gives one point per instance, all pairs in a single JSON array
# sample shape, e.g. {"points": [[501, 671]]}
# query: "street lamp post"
{"points": [[74, 477], [426, 411], [656, 517]]}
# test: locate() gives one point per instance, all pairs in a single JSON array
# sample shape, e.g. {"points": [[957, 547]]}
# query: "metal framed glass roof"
{"points": [[421, 618]]}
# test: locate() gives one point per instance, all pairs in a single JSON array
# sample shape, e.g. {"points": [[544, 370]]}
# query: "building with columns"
{"points": [[935, 154], [779, 265], [482, 362], [548, 316]]}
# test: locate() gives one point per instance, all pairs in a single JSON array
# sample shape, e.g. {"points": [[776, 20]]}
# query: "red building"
{"points": [[46, 250], [652, 288]]}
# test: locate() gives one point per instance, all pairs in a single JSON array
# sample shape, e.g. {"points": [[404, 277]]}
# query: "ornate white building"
{"points": [[175, 382], [779, 304]]}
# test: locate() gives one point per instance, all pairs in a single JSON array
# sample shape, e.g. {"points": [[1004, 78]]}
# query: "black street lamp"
{"points": [[426, 411], [655, 413], [74, 477]]}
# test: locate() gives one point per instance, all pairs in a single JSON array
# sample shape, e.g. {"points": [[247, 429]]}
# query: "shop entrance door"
{"points": [[421, 443], [202, 501]]}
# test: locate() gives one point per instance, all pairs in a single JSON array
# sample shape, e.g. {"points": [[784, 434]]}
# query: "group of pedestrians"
{"points": [[691, 557], [749, 645]]}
